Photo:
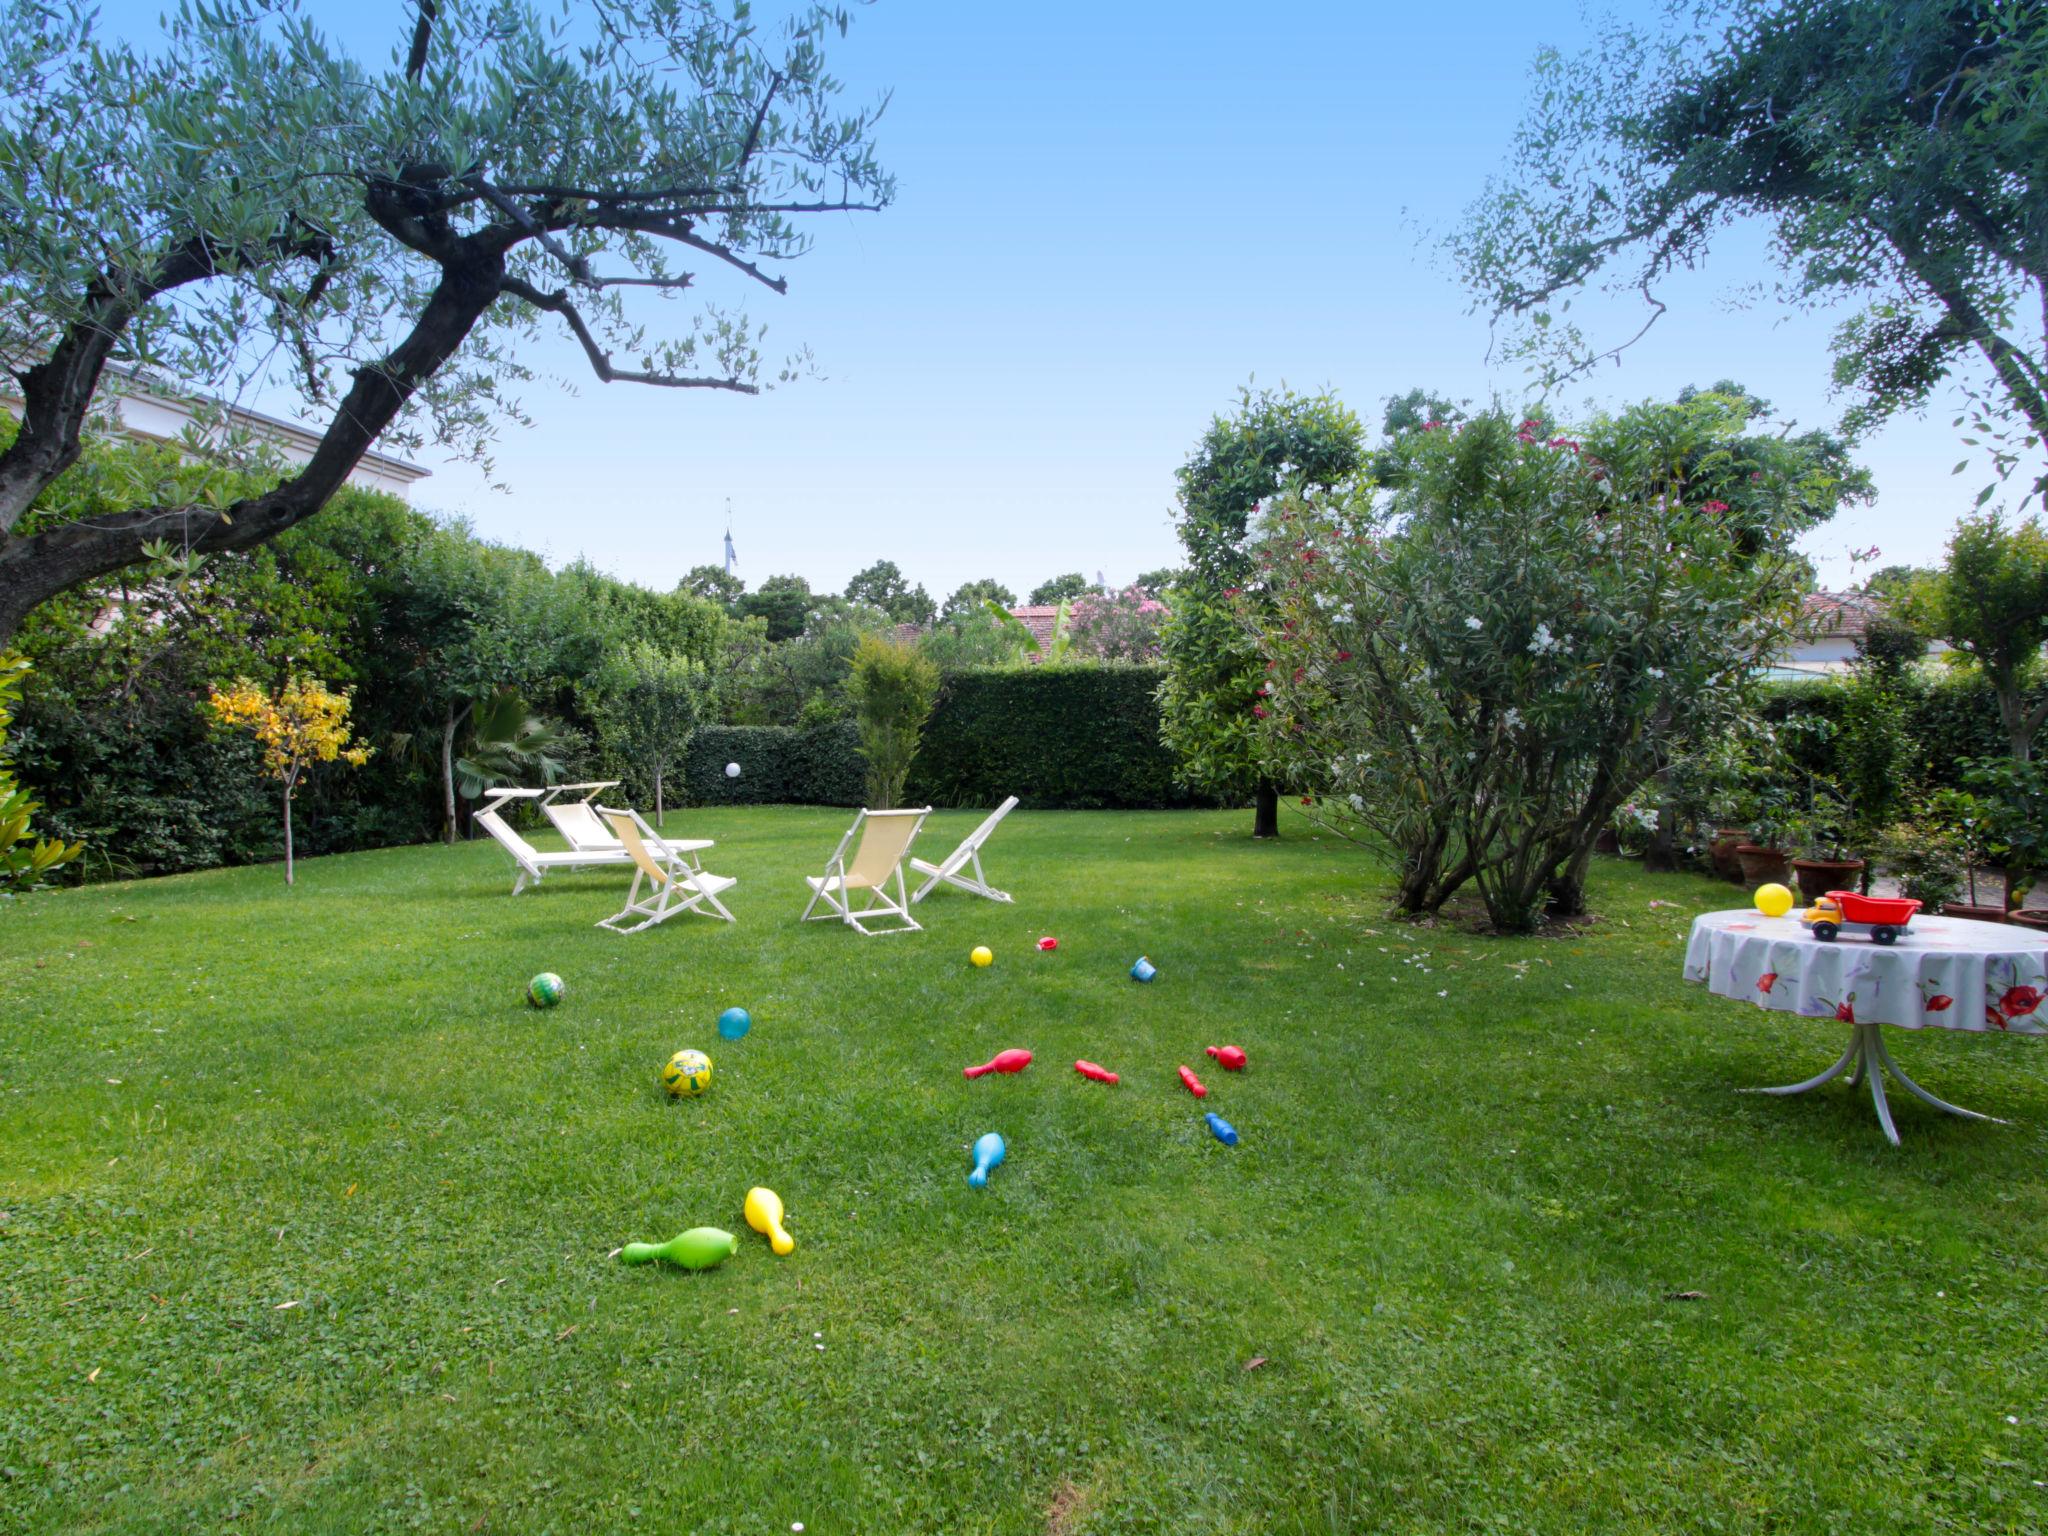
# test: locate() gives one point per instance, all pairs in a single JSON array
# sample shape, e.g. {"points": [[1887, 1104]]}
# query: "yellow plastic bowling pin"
{"points": [[764, 1215]]}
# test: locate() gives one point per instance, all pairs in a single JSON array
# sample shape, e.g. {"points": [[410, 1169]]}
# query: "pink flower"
{"points": [[1431, 425], [1343, 655], [1714, 506], [1259, 710]]}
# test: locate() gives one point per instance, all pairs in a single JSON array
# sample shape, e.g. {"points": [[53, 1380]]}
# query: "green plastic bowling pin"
{"points": [[698, 1248]]}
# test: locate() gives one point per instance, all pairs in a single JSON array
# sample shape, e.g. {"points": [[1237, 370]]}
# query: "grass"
{"points": [[306, 1217]]}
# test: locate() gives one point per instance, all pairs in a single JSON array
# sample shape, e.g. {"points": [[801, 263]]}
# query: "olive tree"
{"points": [[1893, 147], [392, 235]]}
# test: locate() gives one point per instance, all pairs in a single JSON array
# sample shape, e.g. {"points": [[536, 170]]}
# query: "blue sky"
{"points": [[1110, 217]]}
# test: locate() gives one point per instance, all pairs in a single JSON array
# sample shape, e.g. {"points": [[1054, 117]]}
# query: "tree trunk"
{"points": [[41, 565], [289, 783], [1661, 856], [660, 817], [1266, 810], [448, 773]]}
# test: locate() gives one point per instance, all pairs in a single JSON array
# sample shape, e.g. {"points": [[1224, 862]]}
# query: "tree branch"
{"points": [[422, 34], [600, 361]]}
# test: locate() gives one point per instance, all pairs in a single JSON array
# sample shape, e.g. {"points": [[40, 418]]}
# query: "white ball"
{"points": [[732, 770]]}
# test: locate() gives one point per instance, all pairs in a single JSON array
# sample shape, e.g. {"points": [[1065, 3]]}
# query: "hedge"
{"points": [[779, 765], [1949, 717], [1073, 737], [1078, 738]]}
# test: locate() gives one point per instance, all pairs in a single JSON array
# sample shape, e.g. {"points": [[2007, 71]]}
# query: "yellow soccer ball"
{"points": [[687, 1074], [983, 955], [1773, 900]]}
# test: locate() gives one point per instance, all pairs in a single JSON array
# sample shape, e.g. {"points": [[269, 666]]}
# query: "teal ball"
{"points": [[734, 1022]]}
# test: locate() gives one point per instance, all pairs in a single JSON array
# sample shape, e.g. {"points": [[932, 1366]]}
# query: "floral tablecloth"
{"points": [[1944, 972]]}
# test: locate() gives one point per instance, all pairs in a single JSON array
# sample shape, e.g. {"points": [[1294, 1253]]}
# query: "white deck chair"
{"points": [[968, 853], [533, 864], [676, 887], [578, 822], [884, 837]]}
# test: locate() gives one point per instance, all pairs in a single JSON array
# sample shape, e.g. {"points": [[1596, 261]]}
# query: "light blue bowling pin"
{"points": [[1221, 1129], [988, 1155]]}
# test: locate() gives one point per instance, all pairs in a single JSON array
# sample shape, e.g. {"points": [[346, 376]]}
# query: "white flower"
{"points": [[1543, 642], [1657, 672], [1473, 624], [1512, 719], [1358, 803]]}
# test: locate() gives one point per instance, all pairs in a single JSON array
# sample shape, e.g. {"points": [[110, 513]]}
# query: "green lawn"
{"points": [[306, 1216]]}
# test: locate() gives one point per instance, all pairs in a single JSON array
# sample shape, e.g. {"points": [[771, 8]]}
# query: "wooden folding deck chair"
{"points": [[968, 853], [884, 838], [675, 887], [581, 828]]}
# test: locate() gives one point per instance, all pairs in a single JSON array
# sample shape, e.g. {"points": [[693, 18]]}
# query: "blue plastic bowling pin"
{"points": [[1221, 1129], [988, 1154]]}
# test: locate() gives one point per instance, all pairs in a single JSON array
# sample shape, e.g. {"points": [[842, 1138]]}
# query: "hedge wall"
{"points": [[779, 765], [1949, 718], [1080, 738]]}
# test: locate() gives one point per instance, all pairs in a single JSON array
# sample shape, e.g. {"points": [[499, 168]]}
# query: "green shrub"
{"points": [[892, 686]]}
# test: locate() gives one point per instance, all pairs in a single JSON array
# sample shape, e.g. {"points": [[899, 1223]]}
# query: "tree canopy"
{"points": [[393, 233], [1894, 147], [883, 585], [1061, 589]]}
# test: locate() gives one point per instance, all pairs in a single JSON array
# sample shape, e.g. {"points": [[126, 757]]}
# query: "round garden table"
{"points": [[1943, 973]]}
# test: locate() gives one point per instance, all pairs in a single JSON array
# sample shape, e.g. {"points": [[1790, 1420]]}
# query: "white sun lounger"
{"points": [[676, 888], [884, 838], [968, 853], [581, 828], [532, 863]]}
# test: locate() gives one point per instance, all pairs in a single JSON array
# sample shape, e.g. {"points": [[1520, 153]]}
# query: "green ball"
{"points": [[545, 990]]}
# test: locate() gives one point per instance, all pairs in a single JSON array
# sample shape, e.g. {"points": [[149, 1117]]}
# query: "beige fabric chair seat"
{"points": [[674, 887], [880, 840]]}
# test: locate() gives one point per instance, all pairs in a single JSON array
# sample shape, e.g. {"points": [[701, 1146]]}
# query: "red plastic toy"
{"points": [[1005, 1061], [1193, 1084], [1886, 916], [1048, 942], [1094, 1073], [1228, 1057]]}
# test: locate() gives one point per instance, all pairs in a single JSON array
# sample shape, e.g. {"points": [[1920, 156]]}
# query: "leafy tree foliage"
{"points": [[646, 702], [884, 586], [969, 597], [1894, 146], [1060, 589], [301, 724], [892, 687], [784, 603], [24, 857], [713, 583], [1157, 583], [396, 230], [1213, 665], [1990, 602]]}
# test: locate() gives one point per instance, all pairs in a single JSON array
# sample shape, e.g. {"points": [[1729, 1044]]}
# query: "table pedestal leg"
{"points": [[1872, 1061]]}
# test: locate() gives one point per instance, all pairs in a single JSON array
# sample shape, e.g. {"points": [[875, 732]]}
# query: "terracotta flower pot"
{"points": [[1762, 866], [1974, 910], [2028, 917], [1819, 876], [1721, 852]]}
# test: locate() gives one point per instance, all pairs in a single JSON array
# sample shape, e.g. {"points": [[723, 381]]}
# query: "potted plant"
{"points": [[1818, 836], [1961, 817], [1762, 859]]}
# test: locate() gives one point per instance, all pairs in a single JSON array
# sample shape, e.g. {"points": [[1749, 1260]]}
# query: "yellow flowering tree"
{"points": [[303, 723]]}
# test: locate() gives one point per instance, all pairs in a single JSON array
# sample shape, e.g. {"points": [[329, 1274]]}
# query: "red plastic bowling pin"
{"points": [[1228, 1057], [1005, 1061], [1194, 1084], [1094, 1073]]}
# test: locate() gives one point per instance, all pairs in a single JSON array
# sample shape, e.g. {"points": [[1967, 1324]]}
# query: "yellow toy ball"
{"points": [[983, 955], [1773, 900], [687, 1074]]}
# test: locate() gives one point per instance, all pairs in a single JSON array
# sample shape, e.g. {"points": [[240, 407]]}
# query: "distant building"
{"points": [[152, 411], [1831, 623]]}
